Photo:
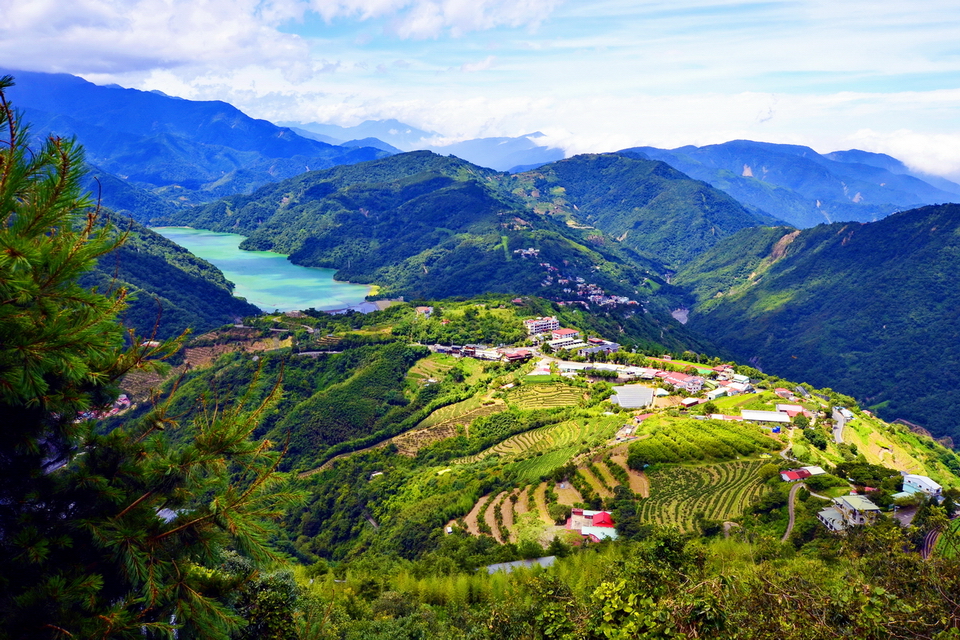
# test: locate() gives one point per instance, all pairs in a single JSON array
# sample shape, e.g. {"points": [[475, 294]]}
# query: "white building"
{"points": [[751, 415], [921, 484], [537, 326], [848, 511]]}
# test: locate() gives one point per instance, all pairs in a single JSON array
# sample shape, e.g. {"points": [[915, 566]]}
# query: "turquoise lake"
{"points": [[264, 278]]}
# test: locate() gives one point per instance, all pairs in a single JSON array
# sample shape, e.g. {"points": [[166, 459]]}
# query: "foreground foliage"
{"points": [[114, 535]]}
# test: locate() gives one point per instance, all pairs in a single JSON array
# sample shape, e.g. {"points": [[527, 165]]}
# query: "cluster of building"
{"points": [[120, 404], [483, 352], [795, 475], [548, 331], [856, 510], [583, 292]]}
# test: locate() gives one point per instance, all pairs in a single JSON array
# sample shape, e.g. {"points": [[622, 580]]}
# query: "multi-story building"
{"points": [[536, 326]]}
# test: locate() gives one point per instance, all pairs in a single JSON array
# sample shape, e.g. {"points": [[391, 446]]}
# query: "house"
{"points": [[741, 378], [841, 414], [564, 334], [814, 471], [596, 346], [913, 483], [536, 326], [713, 394], [848, 511], [735, 388], [691, 384], [752, 415], [690, 402], [594, 525], [516, 355], [566, 343], [793, 410], [633, 396], [794, 475], [426, 312]]}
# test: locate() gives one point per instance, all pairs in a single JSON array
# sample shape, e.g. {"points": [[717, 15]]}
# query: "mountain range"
{"points": [[665, 228], [799, 186], [185, 151], [872, 309]]}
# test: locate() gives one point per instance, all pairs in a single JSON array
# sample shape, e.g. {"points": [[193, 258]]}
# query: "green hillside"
{"points": [[869, 309], [646, 205], [171, 288], [418, 224]]}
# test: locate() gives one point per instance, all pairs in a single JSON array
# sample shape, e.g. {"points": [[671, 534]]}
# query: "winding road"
{"points": [[929, 542], [790, 508]]}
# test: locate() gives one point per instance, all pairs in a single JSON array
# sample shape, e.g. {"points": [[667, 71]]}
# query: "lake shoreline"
{"points": [[267, 279]]}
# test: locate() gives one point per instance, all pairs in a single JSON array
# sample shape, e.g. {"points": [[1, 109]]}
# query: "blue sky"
{"points": [[592, 75]]}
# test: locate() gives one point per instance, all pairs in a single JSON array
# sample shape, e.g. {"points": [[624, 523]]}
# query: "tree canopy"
{"points": [[114, 534]]}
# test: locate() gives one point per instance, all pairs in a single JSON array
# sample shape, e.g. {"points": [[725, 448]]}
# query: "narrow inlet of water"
{"points": [[264, 278]]}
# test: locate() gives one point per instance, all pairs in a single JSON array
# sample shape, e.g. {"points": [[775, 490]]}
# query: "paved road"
{"points": [[929, 542], [790, 510], [790, 506]]}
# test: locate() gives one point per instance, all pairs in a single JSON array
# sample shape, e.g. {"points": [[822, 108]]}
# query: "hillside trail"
{"points": [[929, 543], [790, 507]]}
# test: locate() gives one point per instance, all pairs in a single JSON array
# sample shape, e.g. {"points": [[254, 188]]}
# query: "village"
{"points": [[644, 389]]}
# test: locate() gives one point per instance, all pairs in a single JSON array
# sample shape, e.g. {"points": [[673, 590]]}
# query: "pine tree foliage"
{"points": [[115, 535]]}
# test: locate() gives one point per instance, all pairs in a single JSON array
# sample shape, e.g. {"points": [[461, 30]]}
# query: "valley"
{"points": [[522, 441]]}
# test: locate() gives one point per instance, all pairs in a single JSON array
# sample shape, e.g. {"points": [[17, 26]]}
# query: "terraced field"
{"points": [[544, 396], [595, 483], [434, 366], [719, 491], [452, 412], [639, 483], [570, 433], [437, 427], [532, 469]]}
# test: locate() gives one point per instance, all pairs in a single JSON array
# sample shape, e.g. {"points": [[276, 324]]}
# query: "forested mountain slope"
{"points": [[172, 289], [418, 224], [799, 186], [872, 310], [646, 205], [187, 151]]}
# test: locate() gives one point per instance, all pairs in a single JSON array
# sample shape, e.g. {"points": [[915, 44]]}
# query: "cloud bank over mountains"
{"points": [[593, 76]]}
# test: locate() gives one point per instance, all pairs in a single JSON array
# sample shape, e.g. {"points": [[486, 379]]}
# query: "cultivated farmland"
{"points": [[566, 434], [718, 491], [544, 396]]}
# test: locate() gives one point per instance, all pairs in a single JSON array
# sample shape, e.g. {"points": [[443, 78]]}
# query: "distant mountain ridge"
{"points": [[499, 153], [796, 184], [185, 151]]}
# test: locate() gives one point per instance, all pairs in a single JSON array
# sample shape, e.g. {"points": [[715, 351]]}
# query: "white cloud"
{"points": [[933, 153], [116, 36], [482, 65], [431, 18]]}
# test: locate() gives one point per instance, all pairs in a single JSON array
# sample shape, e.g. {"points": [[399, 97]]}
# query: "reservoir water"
{"points": [[264, 278]]}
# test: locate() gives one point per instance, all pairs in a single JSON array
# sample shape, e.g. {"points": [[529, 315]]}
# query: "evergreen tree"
{"points": [[113, 535]]}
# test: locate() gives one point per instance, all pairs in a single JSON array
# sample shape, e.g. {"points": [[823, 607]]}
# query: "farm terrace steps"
{"points": [[474, 515], [639, 483], [595, 484], [541, 502], [719, 491]]}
